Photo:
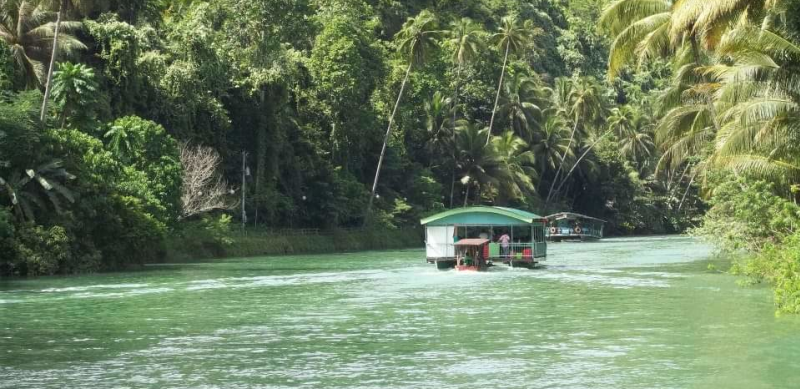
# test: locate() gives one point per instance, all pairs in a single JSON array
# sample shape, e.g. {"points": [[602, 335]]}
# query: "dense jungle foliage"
{"points": [[633, 111]]}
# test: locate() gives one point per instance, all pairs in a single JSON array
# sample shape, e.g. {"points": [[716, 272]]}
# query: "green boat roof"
{"points": [[483, 216]]}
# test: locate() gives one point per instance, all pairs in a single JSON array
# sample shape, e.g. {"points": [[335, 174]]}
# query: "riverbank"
{"points": [[268, 243]]}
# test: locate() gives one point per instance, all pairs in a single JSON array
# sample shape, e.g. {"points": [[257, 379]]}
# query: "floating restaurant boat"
{"points": [[475, 238], [573, 226]]}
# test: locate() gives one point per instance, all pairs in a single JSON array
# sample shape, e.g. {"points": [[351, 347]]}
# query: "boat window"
{"points": [[538, 234]]}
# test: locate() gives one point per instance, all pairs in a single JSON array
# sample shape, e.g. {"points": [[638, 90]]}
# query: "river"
{"points": [[620, 313]]}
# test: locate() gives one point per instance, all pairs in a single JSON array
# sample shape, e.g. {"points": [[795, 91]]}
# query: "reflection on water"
{"points": [[620, 313]]}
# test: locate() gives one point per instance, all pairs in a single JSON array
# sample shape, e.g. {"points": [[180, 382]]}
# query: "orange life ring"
{"points": [[578, 230], [553, 230]]}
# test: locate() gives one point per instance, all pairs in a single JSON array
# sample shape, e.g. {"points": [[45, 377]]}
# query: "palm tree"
{"points": [[478, 162], [73, 87], [416, 39], [519, 164], [733, 103], [26, 28], [552, 143], [709, 20], [465, 38], [437, 110], [466, 41], [640, 30], [586, 105], [588, 145], [560, 96], [643, 29], [511, 37], [63, 6], [758, 104], [521, 105], [633, 131]]}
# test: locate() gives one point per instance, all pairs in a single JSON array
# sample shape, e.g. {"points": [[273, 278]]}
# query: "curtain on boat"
{"points": [[439, 242]]}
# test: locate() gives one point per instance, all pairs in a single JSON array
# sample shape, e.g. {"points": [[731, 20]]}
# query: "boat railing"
{"points": [[522, 251], [571, 231], [516, 251]]}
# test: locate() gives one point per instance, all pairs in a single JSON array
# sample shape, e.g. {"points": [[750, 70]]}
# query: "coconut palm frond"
{"points": [[756, 165], [629, 43], [618, 15]]}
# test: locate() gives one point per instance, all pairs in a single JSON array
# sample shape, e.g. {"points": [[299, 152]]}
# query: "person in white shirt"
{"points": [[504, 241]]}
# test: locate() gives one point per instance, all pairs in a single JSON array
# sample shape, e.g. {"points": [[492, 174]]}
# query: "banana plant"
{"points": [[29, 189]]}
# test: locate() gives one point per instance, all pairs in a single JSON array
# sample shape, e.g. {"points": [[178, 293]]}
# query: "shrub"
{"points": [[780, 266], [748, 216], [204, 238], [41, 251]]}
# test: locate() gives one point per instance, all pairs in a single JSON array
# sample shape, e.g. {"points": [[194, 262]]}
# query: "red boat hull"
{"points": [[467, 268]]}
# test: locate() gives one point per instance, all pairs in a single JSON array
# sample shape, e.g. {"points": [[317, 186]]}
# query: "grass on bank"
{"points": [[214, 238]]}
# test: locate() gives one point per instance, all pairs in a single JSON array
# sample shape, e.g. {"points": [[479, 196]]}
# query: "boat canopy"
{"points": [[483, 216], [472, 242], [572, 216]]}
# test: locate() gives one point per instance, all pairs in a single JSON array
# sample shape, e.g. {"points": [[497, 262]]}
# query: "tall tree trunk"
{"points": [[677, 185], [453, 185], [466, 195], [497, 96], [64, 114], [49, 81], [541, 178], [561, 164], [453, 129], [688, 187], [385, 142], [564, 180]]}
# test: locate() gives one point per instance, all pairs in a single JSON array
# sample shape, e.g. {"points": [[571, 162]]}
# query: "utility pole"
{"points": [[244, 183]]}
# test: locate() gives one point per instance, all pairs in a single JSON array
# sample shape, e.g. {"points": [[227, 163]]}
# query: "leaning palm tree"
{"points": [[437, 125], [478, 163], [521, 104], [633, 133], [511, 38], [635, 138], [519, 162], [417, 37], [465, 37], [26, 27], [552, 143], [586, 106]]}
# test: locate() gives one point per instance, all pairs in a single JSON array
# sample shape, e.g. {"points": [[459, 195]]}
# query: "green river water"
{"points": [[621, 313]]}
